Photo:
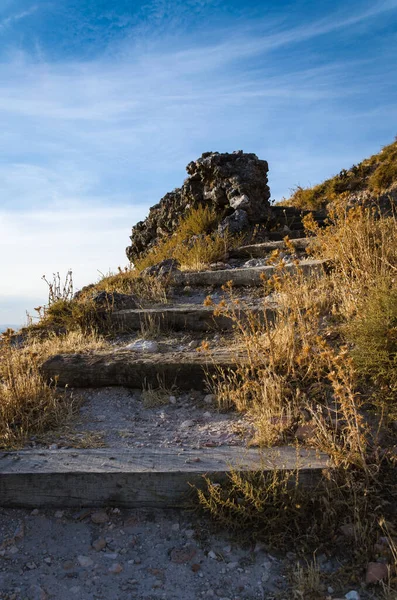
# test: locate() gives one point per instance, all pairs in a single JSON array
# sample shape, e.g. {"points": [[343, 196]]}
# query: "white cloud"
{"points": [[87, 147], [87, 239]]}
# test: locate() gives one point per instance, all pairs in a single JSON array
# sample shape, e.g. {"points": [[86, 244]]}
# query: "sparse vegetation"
{"points": [[322, 375], [194, 244], [375, 174], [29, 404]]}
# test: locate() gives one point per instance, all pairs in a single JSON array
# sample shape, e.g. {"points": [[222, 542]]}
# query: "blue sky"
{"points": [[104, 102]]}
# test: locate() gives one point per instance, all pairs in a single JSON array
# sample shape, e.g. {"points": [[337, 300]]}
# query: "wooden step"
{"points": [[265, 248], [133, 478], [183, 318], [186, 370], [249, 276]]}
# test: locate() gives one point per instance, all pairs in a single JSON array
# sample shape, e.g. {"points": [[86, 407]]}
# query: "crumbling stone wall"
{"points": [[234, 184]]}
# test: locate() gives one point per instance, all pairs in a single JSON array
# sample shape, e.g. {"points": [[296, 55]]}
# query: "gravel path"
{"points": [[123, 419], [129, 555]]}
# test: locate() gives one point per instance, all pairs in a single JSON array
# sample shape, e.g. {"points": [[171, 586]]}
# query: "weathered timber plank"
{"points": [[262, 249], [186, 370], [149, 477], [184, 318], [250, 276]]}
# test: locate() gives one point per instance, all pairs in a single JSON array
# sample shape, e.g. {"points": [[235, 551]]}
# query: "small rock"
{"points": [[193, 344], [37, 593], [353, 595], [59, 514], [182, 555], [13, 550], [99, 518], [48, 560], [143, 346], [99, 544], [232, 565], [53, 447], [195, 567], [186, 424], [31, 565], [207, 415], [75, 589], [19, 533], [35, 512], [172, 400], [175, 527], [209, 398], [85, 561], [376, 572], [115, 569], [211, 554]]}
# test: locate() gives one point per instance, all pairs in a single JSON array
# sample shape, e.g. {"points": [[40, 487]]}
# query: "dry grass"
{"points": [[29, 404], [304, 369], [147, 290], [194, 244], [306, 581], [375, 174], [159, 396]]}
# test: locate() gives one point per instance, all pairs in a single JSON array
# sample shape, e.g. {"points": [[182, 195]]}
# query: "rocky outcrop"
{"points": [[234, 184]]}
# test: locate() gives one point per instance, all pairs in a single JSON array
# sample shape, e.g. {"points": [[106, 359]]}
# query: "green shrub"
{"points": [[374, 335]]}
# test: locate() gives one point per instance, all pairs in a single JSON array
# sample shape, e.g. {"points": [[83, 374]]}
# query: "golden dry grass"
{"points": [[194, 244], [28, 403], [303, 369], [375, 174]]}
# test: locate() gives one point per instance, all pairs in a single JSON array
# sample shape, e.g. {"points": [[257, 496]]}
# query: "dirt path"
{"points": [[129, 555]]}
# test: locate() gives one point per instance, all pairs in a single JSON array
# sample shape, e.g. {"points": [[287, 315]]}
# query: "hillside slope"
{"points": [[374, 178]]}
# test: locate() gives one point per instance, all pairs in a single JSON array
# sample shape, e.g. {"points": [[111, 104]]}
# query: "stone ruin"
{"points": [[234, 184]]}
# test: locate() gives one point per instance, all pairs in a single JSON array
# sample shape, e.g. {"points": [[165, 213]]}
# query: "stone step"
{"points": [[265, 248], [246, 276], [183, 318], [134, 478], [186, 370]]}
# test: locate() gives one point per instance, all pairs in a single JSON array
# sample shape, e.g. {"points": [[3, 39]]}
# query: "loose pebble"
{"points": [[85, 561], [99, 518]]}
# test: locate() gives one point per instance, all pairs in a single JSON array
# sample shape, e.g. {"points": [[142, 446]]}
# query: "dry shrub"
{"points": [[29, 404], [375, 174], [373, 332], [146, 289], [305, 368], [307, 581], [194, 244]]}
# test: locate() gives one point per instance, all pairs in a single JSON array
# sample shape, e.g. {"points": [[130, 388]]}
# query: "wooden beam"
{"points": [[186, 370], [149, 477]]}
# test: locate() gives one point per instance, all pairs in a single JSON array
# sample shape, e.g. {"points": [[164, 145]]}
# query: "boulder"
{"points": [[161, 269], [235, 185]]}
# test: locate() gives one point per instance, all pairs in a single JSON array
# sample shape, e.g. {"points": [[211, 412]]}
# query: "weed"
{"points": [[307, 581], [194, 244], [159, 396], [29, 404], [375, 175], [307, 368]]}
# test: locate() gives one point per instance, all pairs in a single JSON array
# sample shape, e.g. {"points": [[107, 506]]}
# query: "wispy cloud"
{"points": [[88, 146], [14, 18]]}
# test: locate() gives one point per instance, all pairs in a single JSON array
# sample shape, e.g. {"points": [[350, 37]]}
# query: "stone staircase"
{"points": [[154, 476]]}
